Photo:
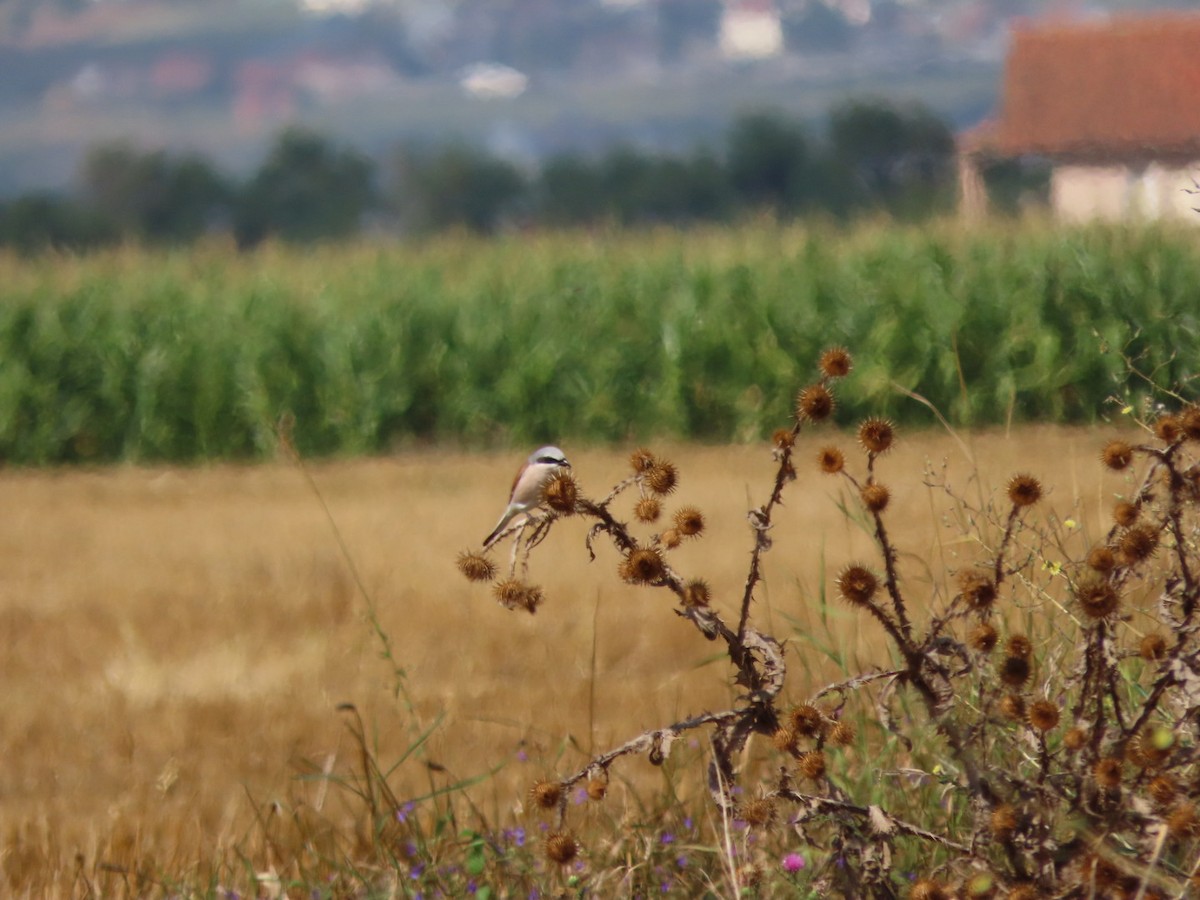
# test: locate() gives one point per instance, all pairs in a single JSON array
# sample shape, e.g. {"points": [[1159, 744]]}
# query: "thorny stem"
{"points": [[782, 475]]}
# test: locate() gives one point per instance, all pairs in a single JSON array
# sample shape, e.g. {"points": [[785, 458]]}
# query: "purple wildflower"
{"points": [[793, 863]]}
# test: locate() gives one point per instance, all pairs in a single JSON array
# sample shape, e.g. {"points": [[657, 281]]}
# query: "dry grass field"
{"points": [[174, 643]]}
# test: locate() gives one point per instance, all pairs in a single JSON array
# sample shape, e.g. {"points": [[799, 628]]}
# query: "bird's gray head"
{"points": [[549, 456]]}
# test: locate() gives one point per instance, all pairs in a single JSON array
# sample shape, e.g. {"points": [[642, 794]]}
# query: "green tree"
{"points": [[768, 160], [43, 220], [901, 158], [457, 186], [154, 197], [307, 189]]}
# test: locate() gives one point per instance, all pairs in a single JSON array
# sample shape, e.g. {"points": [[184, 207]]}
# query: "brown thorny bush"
{"points": [[1075, 781]]}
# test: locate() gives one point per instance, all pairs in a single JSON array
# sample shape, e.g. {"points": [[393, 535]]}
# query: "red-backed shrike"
{"points": [[527, 488]]}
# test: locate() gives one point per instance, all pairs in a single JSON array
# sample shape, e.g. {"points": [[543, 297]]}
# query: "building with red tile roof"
{"points": [[1112, 104]]}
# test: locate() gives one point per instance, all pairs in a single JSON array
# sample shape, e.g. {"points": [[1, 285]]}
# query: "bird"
{"points": [[531, 480]]}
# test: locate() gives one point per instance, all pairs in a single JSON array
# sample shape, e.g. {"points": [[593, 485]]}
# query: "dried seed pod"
{"points": [[642, 460], [1024, 490], [1102, 559], [662, 478], [857, 585], [1097, 598], [812, 764], [977, 589], [758, 812], [476, 567], [1137, 544], [1182, 821], [561, 847], [807, 720], [648, 509], [876, 435], [1107, 772], [1020, 645], [1167, 429], [689, 521], [841, 734], [836, 362], [1012, 706], [1189, 422], [783, 438], [875, 497], [928, 889], [642, 566], [696, 593], [784, 739], [597, 786], [1125, 513], [1043, 715], [983, 638], [814, 403], [830, 460], [561, 493], [1074, 739], [546, 794], [671, 538], [1117, 455], [514, 594], [1163, 789], [1152, 647], [1015, 670], [1004, 820]]}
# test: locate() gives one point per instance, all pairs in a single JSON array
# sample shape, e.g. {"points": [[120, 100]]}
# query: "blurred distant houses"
{"points": [[1112, 107]]}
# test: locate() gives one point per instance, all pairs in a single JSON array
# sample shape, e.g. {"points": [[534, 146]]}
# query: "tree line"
{"points": [[870, 157]]}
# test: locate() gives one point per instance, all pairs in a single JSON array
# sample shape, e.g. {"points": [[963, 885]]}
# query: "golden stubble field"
{"points": [[174, 642]]}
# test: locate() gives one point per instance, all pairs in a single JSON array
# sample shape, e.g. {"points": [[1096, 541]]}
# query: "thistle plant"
{"points": [[1048, 688]]}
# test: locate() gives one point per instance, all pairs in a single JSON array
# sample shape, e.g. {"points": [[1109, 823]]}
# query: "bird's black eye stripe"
{"points": [[551, 460]]}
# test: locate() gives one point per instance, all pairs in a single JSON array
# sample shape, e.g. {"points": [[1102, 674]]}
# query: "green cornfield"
{"points": [[195, 354]]}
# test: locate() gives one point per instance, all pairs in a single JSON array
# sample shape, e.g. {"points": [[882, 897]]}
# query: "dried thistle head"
{"points": [[476, 567], [1152, 647], [807, 720], [1125, 513], [1015, 670], [831, 460], [561, 492], [815, 403], [1182, 821], [1043, 715], [1019, 645], [515, 594], [1137, 543], [857, 585], [836, 362], [1074, 739], [1163, 789], [1107, 772], [1004, 820], [928, 889], [561, 847], [689, 521], [546, 795], [1117, 455], [1096, 598], [1189, 422], [597, 785], [1012, 706], [696, 593], [671, 538], [811, 765], [758, 812], [1024, 490], [1167, 429], [648, 509], [876, 435], [1102, 559], [642, 566], [983, 638], [875, 497], [783, 438], [642, 460], [662, 478], [784, 739], [842, 734], [977, 589]]}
